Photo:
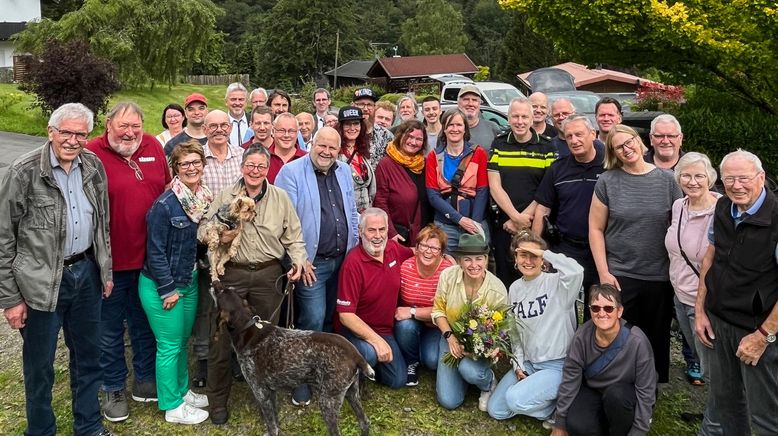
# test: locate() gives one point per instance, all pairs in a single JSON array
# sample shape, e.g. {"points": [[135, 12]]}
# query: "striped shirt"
{"points": [[415, 290], [218, 175]]}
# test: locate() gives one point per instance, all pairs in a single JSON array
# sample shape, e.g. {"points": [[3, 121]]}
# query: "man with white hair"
{"points": [[258, 97], [235, 100], [367, 297], [736, 312], [666, 141], [55, 266], [137, 174]]}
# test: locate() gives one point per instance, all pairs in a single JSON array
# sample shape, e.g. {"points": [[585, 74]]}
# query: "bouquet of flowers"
{"points": [[483, 332]]}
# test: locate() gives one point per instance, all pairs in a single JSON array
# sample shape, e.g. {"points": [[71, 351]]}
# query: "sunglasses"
{"points": [[596, 309]]}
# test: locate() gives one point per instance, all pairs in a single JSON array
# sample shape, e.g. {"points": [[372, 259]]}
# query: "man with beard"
{"points": [[367, 297], [482, 132], [262, 125], [196, 108], [137, 174], [365, 99]]}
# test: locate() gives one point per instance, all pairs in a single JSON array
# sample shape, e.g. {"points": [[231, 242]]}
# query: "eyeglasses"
{"points": [[67, 134], [173, 117], [219, 126], [560, 115], [628, 143], [424, 247], [661, 137], [364, 104], [699, 178], [136, 168], [190, 164], [596, 309], [744, 180], [252, 167], [284, 132]]}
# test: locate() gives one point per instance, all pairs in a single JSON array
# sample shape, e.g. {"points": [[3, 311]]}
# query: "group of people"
{"points": [[364, 214]]}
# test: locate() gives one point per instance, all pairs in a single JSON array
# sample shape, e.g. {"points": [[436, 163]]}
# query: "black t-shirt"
{"points": [[181, 137]]}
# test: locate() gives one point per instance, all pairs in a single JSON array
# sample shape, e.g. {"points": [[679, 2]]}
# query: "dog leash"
{"points": [[289, 293]]}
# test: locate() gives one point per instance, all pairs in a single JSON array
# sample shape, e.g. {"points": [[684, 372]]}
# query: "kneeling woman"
{"points": [[168, 282], [544, 304], [609, 381], [468, 283]]}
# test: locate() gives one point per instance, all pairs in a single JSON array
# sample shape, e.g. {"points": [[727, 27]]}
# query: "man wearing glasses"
{"points": [[736, 312], [322, 193], [284, 148], [365, 99], [55, 266], [666, 139], [137, 174]]}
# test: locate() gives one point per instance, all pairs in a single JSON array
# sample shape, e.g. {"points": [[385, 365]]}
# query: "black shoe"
{"points": [[201, 374], [413, 376], [219, 415]]}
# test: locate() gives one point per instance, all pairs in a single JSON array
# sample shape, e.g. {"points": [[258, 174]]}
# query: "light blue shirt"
{"points": [[78, 219]]}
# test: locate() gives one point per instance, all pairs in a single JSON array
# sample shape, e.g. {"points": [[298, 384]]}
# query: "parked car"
{"points": [[497, 95], [488, 113], [627, 99]]}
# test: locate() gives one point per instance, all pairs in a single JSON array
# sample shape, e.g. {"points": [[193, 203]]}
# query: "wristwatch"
{"points": [[447, 334], [413, 312], [769, 336]]}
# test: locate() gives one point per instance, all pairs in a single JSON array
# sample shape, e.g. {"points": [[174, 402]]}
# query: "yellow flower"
{"points": [[473, 324], [497, 316]]}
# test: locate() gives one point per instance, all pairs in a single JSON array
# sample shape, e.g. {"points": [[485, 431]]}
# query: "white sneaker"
{"points": [[186, 414], [483, 400], [196, 400]]}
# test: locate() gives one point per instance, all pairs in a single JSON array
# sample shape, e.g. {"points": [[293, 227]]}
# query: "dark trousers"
{"points": [[583, 255], [504, 259], [649, 305], [742, 393], [78, 315], [124, 303], [610, 412], [200, 332], [259, 288]]}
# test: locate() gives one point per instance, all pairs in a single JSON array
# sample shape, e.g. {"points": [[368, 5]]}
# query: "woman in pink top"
{"points": [[687, 241], [417, 337]]}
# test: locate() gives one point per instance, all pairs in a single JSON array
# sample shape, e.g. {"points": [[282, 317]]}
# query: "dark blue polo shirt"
{"points": [[567, 190], [333, 236]]}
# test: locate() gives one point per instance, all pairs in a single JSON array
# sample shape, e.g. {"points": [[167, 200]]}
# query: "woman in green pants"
{"points": [[168, 282]]}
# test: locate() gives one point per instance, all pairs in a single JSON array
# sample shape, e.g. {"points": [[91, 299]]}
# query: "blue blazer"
{"points": [[298, 179]]}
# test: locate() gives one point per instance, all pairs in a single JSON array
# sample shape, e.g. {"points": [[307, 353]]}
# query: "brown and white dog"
{"points": [[229, 217], [274, 358]]}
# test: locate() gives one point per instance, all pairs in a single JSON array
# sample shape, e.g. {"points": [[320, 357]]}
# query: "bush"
{"points": [[717, 123], [652, 96], [70, 73]]}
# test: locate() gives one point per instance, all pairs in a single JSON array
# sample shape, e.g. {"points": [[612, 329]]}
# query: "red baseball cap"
{"points": [[191, 98]]}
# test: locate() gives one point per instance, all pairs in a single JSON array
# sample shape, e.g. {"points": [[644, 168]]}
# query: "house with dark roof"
{"points": [[403, 73], [16, 14], [350, 73]]}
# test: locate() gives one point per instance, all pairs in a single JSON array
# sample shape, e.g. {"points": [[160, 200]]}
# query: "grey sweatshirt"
{"points": [[634, 364], [545, 311]]}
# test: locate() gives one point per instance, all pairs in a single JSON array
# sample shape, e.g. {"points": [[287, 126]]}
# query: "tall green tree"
{"points": [[731, 45], [148, 42], [55, 9], [436, 28], [296, 40], [522, 50], [486, 23]]}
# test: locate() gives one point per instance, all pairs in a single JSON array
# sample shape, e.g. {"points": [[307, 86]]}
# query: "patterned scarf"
{"points": [[414, 163], [195, 204]]}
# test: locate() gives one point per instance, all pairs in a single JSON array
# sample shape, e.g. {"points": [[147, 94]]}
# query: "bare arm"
{"points": [[598, 220], [504, 202], [537, 223]]}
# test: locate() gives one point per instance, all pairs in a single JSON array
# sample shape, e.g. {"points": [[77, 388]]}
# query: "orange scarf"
{"points": [[414, 163]]}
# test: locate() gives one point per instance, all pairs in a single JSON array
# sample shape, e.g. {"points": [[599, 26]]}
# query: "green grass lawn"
{"points": [[410, 411], [17, 116]]}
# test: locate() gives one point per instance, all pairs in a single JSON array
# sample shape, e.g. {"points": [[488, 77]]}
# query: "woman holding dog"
{"points": [[463, 285], [168, 282], [255, 271]]}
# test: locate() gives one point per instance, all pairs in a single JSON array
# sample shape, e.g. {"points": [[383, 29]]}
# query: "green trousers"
{"points": [[172, 329]]}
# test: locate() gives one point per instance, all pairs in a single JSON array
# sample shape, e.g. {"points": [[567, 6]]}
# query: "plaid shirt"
{"points": [[219, 175]]}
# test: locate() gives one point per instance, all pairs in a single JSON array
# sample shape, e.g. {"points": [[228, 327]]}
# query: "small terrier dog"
{"points": [[229, 217], [274, 359]]}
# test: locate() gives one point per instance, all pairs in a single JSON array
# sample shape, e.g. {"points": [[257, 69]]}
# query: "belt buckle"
{"points": [[252, 266]]}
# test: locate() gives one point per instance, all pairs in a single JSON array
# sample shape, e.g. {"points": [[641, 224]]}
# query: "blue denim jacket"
{"points": [[171, 245]]}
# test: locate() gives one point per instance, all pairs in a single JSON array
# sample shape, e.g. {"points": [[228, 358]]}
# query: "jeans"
{"points": [[737, 388], [393, 373], [78, 314], [610, 412], [172, 329], [453, 232], [534, 396], [316, 303], [451, 383], [418, 342]]}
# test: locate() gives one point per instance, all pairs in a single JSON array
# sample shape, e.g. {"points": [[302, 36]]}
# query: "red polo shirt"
{"points": [[369, 288], [130, 198], [276, 162]]}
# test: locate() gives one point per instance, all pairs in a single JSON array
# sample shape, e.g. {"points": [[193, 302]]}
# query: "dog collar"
{"points": [[255, 321]]}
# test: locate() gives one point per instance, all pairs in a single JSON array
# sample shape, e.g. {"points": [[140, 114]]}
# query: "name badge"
{"points": [[392, 263], [147, 159]]}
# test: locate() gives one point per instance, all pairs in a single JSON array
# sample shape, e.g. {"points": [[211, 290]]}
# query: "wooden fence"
{"points": [[223, 79]]}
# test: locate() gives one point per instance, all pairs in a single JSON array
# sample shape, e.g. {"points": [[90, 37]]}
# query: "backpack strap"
{"points": [[609, 354], [456, 179]]}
